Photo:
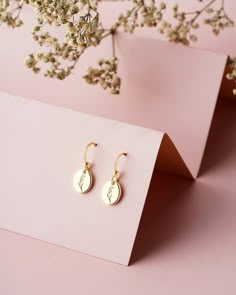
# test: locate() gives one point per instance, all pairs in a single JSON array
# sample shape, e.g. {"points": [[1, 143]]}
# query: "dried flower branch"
{"points": [[105, 75], [10, 12], [187, 22], [143, 13], [80, 19], [83, 29], [219, 19]]}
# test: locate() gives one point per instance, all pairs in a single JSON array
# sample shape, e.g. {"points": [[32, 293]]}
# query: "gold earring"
{"points": [[111, 192], [83, 179]]}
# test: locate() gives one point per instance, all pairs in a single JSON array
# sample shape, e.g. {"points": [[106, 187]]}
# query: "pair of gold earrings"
{"points": [[83, 180]]}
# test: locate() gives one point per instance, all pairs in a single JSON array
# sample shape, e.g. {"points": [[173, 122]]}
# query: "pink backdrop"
{"points": [[186, 243]]}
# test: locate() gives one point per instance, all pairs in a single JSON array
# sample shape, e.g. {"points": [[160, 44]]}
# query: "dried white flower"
{"points": [[232, 74], [79, 20], [106, 75]]}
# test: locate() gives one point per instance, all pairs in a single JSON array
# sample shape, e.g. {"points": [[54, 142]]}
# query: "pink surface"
{"points": [[186, 244], [42, 148]]}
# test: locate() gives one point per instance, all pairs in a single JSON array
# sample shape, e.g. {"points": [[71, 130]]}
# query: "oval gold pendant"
{"points": [[83, 180], [111, 193]]}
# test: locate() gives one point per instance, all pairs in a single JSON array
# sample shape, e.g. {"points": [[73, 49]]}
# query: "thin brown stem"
{"points": [[107, 34], [19, 10], [113, 45], [222, 4], [199, 12]]}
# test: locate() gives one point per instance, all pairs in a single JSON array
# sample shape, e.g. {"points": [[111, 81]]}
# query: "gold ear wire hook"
{"points": [[115, 174], [117, 159], [86, 163]]}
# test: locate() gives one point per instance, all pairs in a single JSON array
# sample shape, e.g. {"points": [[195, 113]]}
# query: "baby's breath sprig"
{"points": [[182, 30], [143, 13], [105, 75], [232, 73], [218, 20], [107, 72], [188, 22], [82, 26], [10, 12], [61, 58], [83, 29], [60, 12]]}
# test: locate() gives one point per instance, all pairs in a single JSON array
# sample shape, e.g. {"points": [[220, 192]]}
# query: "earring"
{"points": [[83, 179], [111, 192]]}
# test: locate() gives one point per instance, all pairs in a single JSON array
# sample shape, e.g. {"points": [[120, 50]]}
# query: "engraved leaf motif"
{"points": [[81, 182], [109, 194]]}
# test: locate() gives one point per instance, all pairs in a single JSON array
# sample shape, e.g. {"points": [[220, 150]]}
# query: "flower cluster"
{"points": [[82, 28], [59, 12], [187, 22], [55, 57], [143, 13], [218, 20], [232, 74], [10, 12], [182, 30], [105, 75], [87, 31]]}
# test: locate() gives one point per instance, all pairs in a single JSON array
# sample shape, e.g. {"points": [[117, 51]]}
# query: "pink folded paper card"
{"points": [[41, 149], [165, 87]]}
